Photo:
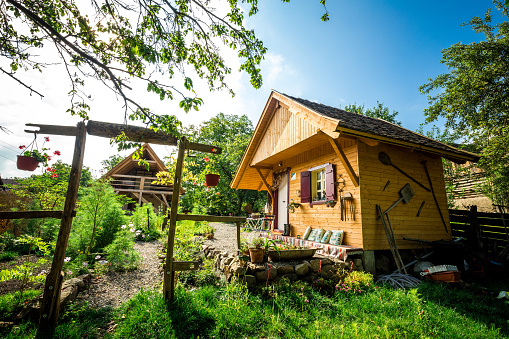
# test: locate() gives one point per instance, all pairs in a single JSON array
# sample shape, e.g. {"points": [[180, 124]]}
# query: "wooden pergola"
{"points": [[52, 289]]}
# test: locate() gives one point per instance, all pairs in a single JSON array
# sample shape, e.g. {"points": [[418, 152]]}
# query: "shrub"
{"points": [[206, 275], [121, 254], [356, 282], [8, 256]]}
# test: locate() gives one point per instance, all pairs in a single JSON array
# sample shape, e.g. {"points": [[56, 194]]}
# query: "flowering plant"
{"points": [[41, 156]]}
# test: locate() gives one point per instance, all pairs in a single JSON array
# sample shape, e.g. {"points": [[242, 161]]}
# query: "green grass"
{"points": [[9, 301], [433, 311]]}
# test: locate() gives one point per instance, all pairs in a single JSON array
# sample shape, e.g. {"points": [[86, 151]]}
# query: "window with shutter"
{"points": [[305, 187]]}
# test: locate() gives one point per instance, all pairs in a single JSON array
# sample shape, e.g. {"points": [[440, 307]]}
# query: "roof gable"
{"points": [[128, 163]]}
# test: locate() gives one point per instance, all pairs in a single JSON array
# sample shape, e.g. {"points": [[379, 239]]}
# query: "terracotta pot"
{"points": [[256, 254], [211, 179], [27, 163]]}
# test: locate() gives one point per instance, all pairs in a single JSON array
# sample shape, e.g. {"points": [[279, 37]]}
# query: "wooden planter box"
{"points": [[292, 254]]}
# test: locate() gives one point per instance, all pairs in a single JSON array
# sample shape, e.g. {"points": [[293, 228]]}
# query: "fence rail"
{"points": [[490, 229]]}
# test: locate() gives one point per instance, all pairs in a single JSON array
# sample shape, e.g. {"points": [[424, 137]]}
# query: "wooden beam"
{"points": [[55, 130], [165, 200], [261, 184], [52, 288], [238, 235], [265, 183], [134, 133], [193, 146], [344, 160], [186, 265], [210, 218], [169, 274], [32, 214]]}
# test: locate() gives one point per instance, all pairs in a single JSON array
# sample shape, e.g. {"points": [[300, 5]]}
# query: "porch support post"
{"points": [[52, 288], [169, 273]]}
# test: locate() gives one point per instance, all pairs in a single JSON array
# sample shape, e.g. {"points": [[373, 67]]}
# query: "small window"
{"points": [[318, 184]]}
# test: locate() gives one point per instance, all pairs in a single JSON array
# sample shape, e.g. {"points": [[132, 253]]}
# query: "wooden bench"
{"points": [[334, 251]]}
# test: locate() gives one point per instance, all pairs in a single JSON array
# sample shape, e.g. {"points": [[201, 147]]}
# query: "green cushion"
{"points": [[336, 237], [326, 237], [315, 234]]}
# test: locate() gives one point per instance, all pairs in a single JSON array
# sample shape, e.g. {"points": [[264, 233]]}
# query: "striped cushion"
{"points": [[336, 238]]}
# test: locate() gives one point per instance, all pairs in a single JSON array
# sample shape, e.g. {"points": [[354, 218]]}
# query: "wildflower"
{"points": [[143, 235], [54, 175], [306, 301], [56, 152], [98, 257], [46, 138], [132, 230], [123, 227], [67, 259], [194, 183], [85, 264], [69, 272], [43, 272], [214, 150], [206, 159], [22, 146]]}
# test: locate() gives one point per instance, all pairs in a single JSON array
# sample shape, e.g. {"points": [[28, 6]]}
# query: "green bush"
{"points": [[121, 254], [147, 223], [113, 220], [8, 256], [204, 276]]}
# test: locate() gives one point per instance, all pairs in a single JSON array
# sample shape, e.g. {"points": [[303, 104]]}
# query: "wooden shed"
{"points": [[134, 181], [328, 161]]}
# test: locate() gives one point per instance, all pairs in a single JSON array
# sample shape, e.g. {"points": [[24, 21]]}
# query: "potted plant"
{"points": [[29, 159], [256, 252], [292, 206], [211, 170]]}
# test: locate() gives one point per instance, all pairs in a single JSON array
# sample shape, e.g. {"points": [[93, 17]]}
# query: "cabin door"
{"points": [[282, 203]]}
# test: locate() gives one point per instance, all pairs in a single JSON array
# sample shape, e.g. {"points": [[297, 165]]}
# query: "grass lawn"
{"points": [[293, 311]]}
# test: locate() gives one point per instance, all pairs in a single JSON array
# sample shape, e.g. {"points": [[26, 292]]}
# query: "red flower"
{"points": [[206, 159], [194, 183], [22, 146], [52, 170], [54, 175], [49, 158], [56, 152], [46, 138], [214, 150]]}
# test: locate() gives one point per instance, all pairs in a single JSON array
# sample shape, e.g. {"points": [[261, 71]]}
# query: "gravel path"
{"points": [[225, 237], [113, 288]]}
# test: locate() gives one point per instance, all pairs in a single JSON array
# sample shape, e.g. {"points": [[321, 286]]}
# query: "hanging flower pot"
{"points": [[211, 179], [26, 163]]}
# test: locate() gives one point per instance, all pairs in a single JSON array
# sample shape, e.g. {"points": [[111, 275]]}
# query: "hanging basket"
{"points": [[27, 163], [211, 179]]}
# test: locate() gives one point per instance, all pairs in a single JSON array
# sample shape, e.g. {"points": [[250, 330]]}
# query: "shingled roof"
{"points": [[352, 122]]}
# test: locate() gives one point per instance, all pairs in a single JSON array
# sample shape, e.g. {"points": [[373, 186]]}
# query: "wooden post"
{"points": [[51, 299], [169, 273], [238, 235]]}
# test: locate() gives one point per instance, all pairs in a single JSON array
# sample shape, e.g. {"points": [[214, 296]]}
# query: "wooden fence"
{"points": [[487, 230]]}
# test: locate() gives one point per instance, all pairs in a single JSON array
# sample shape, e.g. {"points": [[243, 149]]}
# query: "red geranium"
{"points": [[46, 138], [22, 147], [56, 152], [54, 175]]}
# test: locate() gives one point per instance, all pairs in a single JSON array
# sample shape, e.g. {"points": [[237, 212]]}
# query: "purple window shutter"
{"points": [[305, 187], [330, 179]]}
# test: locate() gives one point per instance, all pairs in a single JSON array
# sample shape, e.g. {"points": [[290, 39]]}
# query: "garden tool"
{"points": [[407, 192], [386, 160], [389, 233], [434, 196], [420, 208]]}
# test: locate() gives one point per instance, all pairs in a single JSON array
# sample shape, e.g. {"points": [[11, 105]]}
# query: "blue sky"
{"points": [[368, 51]]}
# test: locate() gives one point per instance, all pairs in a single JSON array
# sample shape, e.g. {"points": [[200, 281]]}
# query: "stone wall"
{"points": [[253, 274]]}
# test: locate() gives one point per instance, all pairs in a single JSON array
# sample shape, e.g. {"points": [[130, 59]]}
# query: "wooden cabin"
{"points": [[325, 163], [134, 181]]}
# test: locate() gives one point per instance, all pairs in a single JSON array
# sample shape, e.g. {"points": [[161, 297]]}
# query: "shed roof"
{"points": [[360, 125]]}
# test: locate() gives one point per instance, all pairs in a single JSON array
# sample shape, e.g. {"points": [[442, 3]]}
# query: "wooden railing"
{"points": [[134, 183], [491, 229]]}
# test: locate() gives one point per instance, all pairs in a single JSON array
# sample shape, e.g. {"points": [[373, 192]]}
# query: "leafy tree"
{"points": [[121, 40], [474, 100], [379, 111], [232, 133], [112, 161]]}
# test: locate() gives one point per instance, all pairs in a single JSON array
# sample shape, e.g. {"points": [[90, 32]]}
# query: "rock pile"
{"points": [[253, 274]]}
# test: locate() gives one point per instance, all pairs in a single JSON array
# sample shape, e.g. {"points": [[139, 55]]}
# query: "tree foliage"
{"points": [[232, 133], [379, 111], [473, 97], [116, 41]]}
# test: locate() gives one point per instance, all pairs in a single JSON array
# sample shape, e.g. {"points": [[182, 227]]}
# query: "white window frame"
{"points": [[314, 184]]}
